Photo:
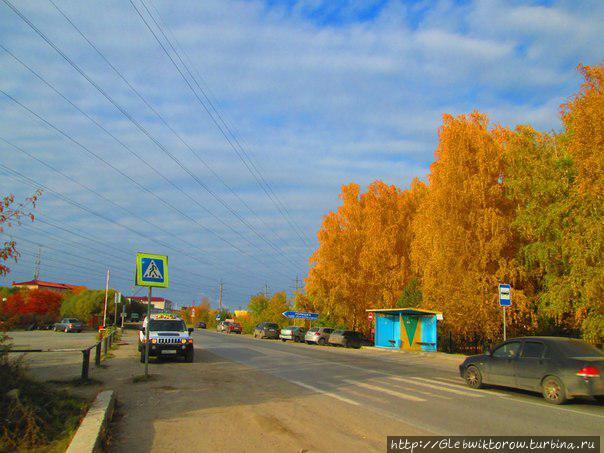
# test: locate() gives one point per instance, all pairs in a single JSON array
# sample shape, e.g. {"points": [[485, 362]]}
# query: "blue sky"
{"points": [[317, 93]]}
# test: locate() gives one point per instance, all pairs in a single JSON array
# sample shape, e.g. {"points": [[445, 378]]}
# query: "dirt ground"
{"points": [[212, 404], [219, 405]]}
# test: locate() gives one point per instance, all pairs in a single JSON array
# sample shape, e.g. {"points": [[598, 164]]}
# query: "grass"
{"points": [[33, 415]]}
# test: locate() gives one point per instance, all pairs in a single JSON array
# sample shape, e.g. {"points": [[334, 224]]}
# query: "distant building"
{"points": [[50, 286], [158, 304]]}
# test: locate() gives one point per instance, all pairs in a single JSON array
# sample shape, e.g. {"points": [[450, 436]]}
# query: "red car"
{"points": [[229, 327]]}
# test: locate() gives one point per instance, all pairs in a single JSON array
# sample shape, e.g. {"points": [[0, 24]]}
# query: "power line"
{"points": [[139, 126], [157, 114], [14, 173], [69, 137], [251, 168]]}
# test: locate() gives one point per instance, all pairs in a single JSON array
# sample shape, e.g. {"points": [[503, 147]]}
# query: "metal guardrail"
{"points": [[101, 348]]}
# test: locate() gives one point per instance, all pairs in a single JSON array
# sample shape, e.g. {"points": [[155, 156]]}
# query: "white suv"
{"points": [[168, 336]]}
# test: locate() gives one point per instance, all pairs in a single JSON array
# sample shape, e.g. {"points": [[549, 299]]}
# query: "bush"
{"points": [[23, 307], [33, 415]]}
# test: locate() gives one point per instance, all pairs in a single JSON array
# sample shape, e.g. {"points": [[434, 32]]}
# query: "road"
{"points": [[423, 392]]}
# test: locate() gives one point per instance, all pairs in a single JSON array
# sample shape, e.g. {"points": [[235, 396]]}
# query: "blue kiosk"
{"points": [[406, 328]]}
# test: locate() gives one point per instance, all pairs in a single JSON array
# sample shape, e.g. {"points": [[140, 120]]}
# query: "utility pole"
{"points": [[220, 298], [106, 292], [37, 265], [266, 290], [297, 282]]}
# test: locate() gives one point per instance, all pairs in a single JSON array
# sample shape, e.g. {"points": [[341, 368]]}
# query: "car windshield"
{"points": [[338, 332], [158, 325], [578, 348], [272, 326], [73, 320], [314, 329]]}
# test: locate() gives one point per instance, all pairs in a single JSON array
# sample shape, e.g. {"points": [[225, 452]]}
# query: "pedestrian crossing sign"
{"points": [[151, 270]]}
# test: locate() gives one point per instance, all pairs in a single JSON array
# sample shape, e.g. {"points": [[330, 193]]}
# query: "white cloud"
{"points": [[318, 105]]}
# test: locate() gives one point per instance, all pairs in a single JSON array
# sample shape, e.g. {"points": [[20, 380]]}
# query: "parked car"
{"points": [[135, 317], [346, 338], [68, 325], [200, 325], [318, 335], [293, 333], [267, 330], [559, 368]]}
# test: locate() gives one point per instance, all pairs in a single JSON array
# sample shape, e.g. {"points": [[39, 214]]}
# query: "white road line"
{"points": [[498, 393], [454, 381], [438, 386], [461, 387], [385, 390], [422, 391], [324, 392]]}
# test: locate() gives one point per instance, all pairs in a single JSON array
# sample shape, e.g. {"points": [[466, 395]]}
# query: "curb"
{"points": [[93, 428]]}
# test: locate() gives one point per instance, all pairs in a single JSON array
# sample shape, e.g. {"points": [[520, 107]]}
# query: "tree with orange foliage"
{"points": [[363, 256], [463, 240]]}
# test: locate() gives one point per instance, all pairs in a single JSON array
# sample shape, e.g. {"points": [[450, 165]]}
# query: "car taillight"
{"points": [[589, 371], [70, 326], [317, 333], [190, 340]]}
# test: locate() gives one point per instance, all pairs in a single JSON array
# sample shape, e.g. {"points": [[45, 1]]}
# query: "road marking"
{"points": [[324, 392], [384, 390], [420, 382], [461, 387], [422, 391], [499, 394]]}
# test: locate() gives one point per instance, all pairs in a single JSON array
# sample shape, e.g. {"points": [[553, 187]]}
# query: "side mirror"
{"points": [[190, 329]]}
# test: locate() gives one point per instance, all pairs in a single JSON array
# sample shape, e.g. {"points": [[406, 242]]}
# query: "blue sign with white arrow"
{"points": [[505, 295], [301, 315]]}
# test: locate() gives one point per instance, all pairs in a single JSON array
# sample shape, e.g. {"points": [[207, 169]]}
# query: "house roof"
{"points": [[41, 283], [413, 311]]}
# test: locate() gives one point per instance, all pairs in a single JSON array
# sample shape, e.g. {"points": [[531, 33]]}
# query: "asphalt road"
{"points": [[422, 391]]}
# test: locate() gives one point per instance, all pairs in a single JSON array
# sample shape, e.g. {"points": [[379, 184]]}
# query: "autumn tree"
{"points": [[363, 259], [11, 214], [463, 241]]}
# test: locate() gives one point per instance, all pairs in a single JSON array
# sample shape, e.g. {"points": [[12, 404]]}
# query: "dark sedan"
{"points": [[559, 368], [346, 338]]}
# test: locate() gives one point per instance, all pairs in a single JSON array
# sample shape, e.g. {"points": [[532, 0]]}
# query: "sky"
{"points": [[220, 132]]}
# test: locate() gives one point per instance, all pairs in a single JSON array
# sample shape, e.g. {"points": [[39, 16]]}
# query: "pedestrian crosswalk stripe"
{"points": [[435, 385], [324, 392], [422, 391], [384, 390]]}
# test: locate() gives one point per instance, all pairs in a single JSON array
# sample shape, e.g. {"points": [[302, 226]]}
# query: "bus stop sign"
{"points": [[505, 297]]}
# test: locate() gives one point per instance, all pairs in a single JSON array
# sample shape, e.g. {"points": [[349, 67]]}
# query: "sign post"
{"points": [[151, 270], [301, 315], [505, 300]]}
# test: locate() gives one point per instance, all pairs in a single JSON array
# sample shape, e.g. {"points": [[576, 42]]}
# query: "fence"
{"points": [[101, 349]]}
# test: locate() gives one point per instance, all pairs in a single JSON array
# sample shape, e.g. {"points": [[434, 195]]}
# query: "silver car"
{"points": [[318, 335], [68, 325]]}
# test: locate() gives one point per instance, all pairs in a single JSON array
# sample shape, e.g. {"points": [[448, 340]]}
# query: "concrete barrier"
{"points": [[92, 430]]}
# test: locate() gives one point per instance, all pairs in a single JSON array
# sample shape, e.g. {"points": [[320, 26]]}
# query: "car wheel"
{"points": [[308, 342], [473, 377], [345, 344], [321, 341], [142, 355], [553, 390], [283, 340]]}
